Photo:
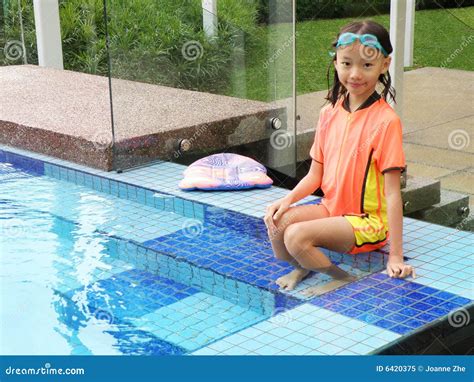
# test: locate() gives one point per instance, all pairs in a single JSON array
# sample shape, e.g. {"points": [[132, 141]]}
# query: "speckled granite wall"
{"points": [[67, 115]]}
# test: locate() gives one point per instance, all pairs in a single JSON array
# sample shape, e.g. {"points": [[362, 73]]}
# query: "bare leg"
{"points": [[334, 233], [293, 215]]}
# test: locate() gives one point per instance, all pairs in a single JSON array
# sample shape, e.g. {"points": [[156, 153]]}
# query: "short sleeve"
{"points": [[316, 152], [389, 152]]}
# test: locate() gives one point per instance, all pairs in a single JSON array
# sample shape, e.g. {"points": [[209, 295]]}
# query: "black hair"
{"points": [[361, 27]]}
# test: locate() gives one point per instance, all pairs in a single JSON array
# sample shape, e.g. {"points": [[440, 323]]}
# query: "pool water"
{"points": [[74, 281], [104, 263]]}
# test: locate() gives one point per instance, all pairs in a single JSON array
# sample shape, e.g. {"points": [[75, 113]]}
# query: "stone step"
{"points": [[420, 193], [466, 224], [451, 210]]}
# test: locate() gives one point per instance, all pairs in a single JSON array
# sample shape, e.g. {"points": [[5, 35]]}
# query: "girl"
{"points": [[357, 161]]}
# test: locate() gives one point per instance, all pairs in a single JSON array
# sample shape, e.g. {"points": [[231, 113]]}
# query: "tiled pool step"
{"points": [[430, 247]]}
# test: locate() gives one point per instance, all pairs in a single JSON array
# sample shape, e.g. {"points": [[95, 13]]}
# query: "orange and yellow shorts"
{"points": [[370, 233]]}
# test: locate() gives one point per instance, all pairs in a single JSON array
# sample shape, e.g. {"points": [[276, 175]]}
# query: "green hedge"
{"points": [[146, 37], [331, 9]]}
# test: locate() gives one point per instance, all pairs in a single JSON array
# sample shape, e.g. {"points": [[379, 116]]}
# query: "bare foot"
{"points": [[321, 289], [290, 280]]}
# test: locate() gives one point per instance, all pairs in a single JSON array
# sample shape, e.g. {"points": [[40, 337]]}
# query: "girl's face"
{"points": [[359, 67]]}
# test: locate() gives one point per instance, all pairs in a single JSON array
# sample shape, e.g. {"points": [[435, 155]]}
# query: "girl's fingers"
{"points": [[277, 215], [389, 271], [397, 272]]}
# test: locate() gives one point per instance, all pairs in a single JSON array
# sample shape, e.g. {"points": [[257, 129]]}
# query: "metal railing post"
{"points": [[48, 33]]}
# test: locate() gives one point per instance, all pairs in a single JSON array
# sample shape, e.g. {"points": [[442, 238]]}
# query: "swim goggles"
{"points": [[370, 40]]}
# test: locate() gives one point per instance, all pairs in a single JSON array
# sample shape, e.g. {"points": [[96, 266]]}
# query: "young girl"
{"points": [[357, 161]]}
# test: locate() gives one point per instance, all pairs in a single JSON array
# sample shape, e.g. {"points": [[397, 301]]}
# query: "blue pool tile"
{"points": [[353, 313], [137, 342], [397, 317], [361, 296], [433, 301], [379, 276], [389, 296], [375, 301], [409, 312], [411, 285], [438, 311], [374, 291], [401, 329], [369, 318], [449, 305], [363, 307], [133, 293], [338, 308], [442, 295], [361, 348], [348, 302], [386, 324], [381, 312], [421, 306], [414, 323], [417, 296], [394, 307], [426, 317], [460, 301]]}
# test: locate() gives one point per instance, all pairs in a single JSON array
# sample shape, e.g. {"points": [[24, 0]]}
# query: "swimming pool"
{"points": [[75, 269], [94, 265]]}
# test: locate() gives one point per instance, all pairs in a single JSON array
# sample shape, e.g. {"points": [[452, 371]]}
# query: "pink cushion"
{"points": [[225, 172]]}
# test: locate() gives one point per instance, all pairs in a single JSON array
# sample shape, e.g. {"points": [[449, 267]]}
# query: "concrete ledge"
{"points": [[447, 212], [420, 193], [67, 114]]}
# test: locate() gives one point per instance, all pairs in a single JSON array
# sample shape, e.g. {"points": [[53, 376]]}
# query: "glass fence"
{"points": [[187, 82]]}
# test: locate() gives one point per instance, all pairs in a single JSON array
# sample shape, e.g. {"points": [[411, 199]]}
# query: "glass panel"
{"points": [[12, 32], [189, 80], [69, 109]]}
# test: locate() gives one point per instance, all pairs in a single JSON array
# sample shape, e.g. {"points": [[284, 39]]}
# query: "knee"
{"points": [[281, 225], [293, 239]]}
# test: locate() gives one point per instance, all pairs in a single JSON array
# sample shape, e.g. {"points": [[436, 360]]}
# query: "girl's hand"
{"points": [[274, 212], [398, 269]]}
